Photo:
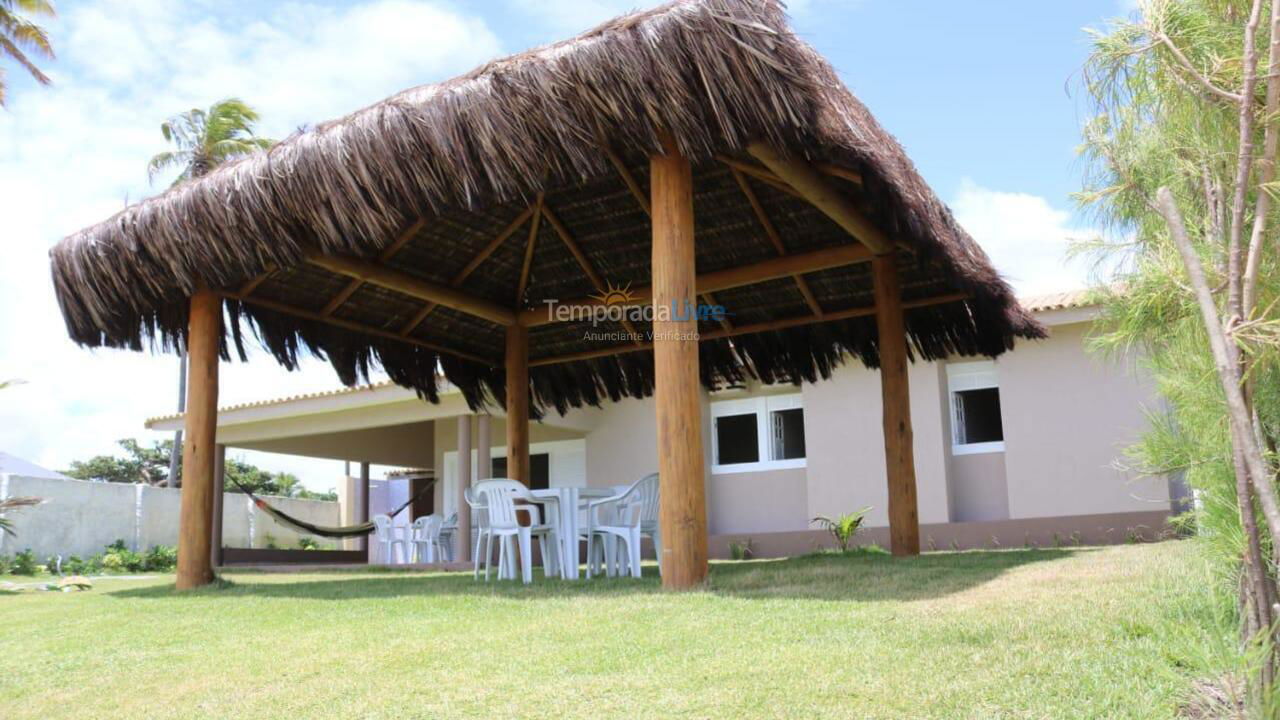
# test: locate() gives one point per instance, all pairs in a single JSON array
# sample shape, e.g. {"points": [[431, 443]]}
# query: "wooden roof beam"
{"points": [[815, 188], [465, 273], [755, 328], [407, 284], [775, 239], [711, 282], [304, 314], [387, 253], [583, 263]]}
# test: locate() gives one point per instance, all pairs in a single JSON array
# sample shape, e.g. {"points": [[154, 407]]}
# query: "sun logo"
{"points": [[615, 295]]}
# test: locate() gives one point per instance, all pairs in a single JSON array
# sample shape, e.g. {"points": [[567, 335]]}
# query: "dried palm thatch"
{"points": [[459, 161]]}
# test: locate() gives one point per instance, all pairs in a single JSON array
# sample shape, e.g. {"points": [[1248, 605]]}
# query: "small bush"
{"points": [[6, 563], [306, 543], [741, 550], [160, 558], [271, 541], [119, 558], [24, 563]]}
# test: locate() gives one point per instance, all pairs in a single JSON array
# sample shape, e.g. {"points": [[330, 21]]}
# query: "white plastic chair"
{"points": [[499, 497], [481, 524], [633, 510], [448, 529], [425, 538], [386, 537]]}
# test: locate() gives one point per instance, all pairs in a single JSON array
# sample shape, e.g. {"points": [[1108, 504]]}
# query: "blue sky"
{"points": [[977, 92]]}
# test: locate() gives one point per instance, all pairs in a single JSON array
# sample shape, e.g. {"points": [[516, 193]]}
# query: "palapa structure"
{"points": [[697, 152]]}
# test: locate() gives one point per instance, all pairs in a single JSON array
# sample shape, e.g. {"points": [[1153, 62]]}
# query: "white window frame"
{"points": [[761, 407], [980, 375]]}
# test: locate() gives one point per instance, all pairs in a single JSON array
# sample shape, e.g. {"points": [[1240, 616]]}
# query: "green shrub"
{"points": [[271, 541], [741, 550], [160, 558], [24, 563], [306, 543], [119, 558]]}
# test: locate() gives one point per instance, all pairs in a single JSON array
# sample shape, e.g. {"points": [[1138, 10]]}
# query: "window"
{"points": [[757, 434], [737, 439], [539, 470], [976, 424]]}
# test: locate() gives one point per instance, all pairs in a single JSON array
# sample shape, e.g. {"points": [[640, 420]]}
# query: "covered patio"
{"points": [[679, 198]]}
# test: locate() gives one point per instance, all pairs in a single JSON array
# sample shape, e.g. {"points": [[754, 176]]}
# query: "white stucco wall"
{"points": [[844, 440], [1068, 415]]}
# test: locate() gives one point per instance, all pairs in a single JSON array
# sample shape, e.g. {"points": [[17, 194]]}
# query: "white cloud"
{"points": [[72, 154], [1025, 236]]}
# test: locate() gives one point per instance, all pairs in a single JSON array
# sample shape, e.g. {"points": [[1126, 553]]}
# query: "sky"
{"points": [[982, 95]]}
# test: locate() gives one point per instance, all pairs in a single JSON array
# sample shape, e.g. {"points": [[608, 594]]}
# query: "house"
{"points": [[1021, 449]]}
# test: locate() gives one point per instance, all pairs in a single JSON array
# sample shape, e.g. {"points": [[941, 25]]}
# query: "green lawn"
{"points": [[1021, 633]]}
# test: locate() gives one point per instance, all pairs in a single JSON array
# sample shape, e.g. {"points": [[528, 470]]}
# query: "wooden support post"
{"points": [[682, 513], [464, 482], [518, 403], [362, 487], [904, 522], [219, 487], [204, 333]]}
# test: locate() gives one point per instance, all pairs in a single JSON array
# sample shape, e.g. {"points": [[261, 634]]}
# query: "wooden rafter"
{"points": [[254, 282], [710, 299], [629, 180], [386, 254], [412, 286], [587, 268], [471, 267], [775, 239], [529, 247], [285, 309], [754, 328], [812, 186], [771, 269]]}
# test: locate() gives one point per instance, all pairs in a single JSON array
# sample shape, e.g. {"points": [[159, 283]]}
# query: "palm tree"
{"points": [[207, 138], [20, 36], [203, 140]]}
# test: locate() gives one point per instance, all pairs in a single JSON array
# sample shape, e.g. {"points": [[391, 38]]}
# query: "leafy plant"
{"points": [[119, 558], [741, 550], [160, 558], [24, 563], [843, 527], [307, 543]]}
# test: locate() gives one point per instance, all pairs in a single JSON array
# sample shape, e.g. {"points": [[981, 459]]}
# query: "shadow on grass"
{"points": [[857, 576]]}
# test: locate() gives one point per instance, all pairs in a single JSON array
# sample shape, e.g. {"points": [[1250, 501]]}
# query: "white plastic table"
{"points": [[565, 501]]}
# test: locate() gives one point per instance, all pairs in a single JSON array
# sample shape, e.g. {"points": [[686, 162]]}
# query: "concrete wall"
{"points": [[1068, 414], [755, 502], [80, 518], [979, 489], [844, 442]]}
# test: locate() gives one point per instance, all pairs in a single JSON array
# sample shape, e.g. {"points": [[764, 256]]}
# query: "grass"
{"points": [[1021, 633]]}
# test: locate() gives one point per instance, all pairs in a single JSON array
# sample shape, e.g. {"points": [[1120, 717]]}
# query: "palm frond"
{"points": [[6, 525]]}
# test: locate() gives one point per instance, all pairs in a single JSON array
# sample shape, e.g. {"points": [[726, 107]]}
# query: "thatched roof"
{"points": [[456, 163]]}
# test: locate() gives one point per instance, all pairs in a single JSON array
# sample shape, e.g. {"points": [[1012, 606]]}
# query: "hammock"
{"points": [[324, 530]]}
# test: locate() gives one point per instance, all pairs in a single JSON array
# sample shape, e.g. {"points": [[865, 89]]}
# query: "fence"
{"points": [[80, 518]]}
